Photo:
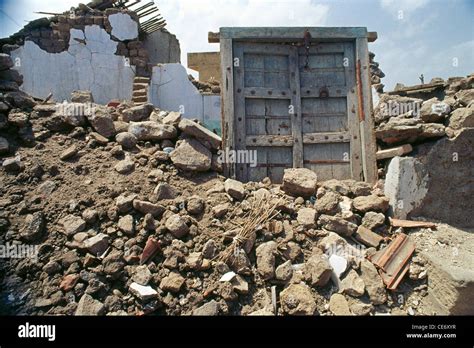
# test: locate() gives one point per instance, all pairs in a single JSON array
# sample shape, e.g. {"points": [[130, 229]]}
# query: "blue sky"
{"points": [[430, 37]]}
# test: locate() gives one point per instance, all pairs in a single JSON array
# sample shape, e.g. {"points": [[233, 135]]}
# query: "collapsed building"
{"points": [[121, 197]]}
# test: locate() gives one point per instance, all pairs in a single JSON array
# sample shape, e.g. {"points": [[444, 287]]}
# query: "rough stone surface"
{"points": [[338, 225], [98, 244], [352, 284], [371, 203], [172, 283], [210, 308], [33, 227], [338, 305], [191, 155], [234, 188], [200, 132], [148, 208], [317, 270], [373, 283], [127, 140], [127, 225], [137, 113], [88, 306], [372, 220], [152, 131], [284, 272], [299, 182], [177, 226], [72, 225], [297, 299], [126, 166], [266, 259], [307, 217], [82, 97], [462, 118]]}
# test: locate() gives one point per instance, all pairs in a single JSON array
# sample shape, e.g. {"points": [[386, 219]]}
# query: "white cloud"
{"points": [[407, 6], [191, 20]]}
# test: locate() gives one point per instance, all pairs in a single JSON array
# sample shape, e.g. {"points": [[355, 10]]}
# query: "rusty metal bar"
{"points": [[149, 12]]}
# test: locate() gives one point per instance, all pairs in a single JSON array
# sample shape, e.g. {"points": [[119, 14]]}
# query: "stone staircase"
{"points": [[140, 90]]}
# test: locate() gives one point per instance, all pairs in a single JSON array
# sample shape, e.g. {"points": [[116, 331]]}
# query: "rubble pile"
{"points": [[376, 74], [129, 216], [211, 86], [402, 120]]}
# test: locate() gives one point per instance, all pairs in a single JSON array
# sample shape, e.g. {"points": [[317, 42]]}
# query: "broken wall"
{"points": [[172, 90], [100, 54], [162, 47]]}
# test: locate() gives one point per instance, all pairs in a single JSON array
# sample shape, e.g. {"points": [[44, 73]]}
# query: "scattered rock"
{"points": [[372, 203], [208, 309], [299, 182], [266, 259], [352, 284], [82, 97], [328, 203], [72, 224], [33, 227], [127, 225], [195, 205], [307, 217], [338, 225], [284, 272], [172, 283], [124, 203], [12, 165], [164, 191], [152, 131], [126, 166], [88, 306], [69, 282], [98, 244], [127, 140], [372, 220], [142, 275], [177, 226], [148, 208], [137, 113], [70, 152], [202, 133], [191, 155], [235, 189], [297, 299], [338, 305], [373, 283], [144, 293], [317, 270]]}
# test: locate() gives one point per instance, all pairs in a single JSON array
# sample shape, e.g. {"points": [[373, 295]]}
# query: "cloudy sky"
{"points": [[430, 37]]}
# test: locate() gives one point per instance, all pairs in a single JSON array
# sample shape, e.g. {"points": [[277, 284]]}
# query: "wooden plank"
{"points": [[227, 102], [262, 92], [333, 92], [269, 140], [321, 138], [352, 119], [265, 49], [295, 112], [259, 172], [283, 157], [292, 33], [239, 109], [340, 154], [411, 224], [368, 143], [395, 151], [327, 47], [317, 157]]}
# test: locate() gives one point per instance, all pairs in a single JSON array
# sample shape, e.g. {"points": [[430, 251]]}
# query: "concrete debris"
{"points": [[299, 182], [191, 155], [297, 299]]}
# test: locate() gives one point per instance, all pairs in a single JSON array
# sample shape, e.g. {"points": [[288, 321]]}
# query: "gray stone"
{"points": [[202, 133], [433, 110], [69, 153], [220, 210], [173, 118], [6, 62], [113, 264], [164, 191], [98, 244], [88, 306], [142, 275], [338, 225], [191, 155], [124, 203], [125, 167], [102, 122], [266, 259], [235, 189], [127, 140], [299, 182], [90, 215], [210, 308], [177, 226], [195, 205], [33, 227], [126, 225], [297, 299], [72, 224], [152, 131], [209, 249], [373, 283], [12, 165], [137, 113], [4, 146], [82, 97], [20, 99]]}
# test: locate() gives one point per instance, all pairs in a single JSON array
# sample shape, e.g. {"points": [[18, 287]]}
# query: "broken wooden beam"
{"points": [[392, 261], [394, 151], [411, 224]]}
